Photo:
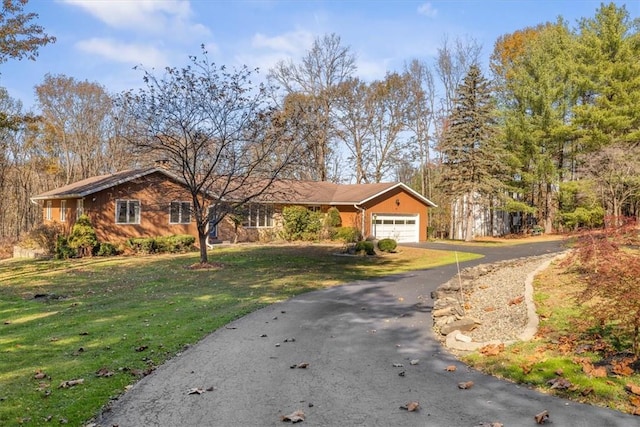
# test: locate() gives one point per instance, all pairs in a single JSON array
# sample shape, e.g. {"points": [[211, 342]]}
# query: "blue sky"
{"points": [[102, 40]]}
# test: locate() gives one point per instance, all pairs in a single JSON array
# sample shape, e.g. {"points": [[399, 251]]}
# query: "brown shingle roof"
{"points": [[281, 191], [96, 183]]}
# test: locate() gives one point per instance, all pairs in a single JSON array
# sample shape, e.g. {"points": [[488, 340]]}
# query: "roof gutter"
{"points": [[362, 210]]}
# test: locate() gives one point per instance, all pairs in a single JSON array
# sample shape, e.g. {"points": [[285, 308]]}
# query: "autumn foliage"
{"points": [[609, 263]]}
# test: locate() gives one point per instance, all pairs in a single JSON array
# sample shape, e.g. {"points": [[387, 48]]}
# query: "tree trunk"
{"points": [[202, 238], [468, 235]]}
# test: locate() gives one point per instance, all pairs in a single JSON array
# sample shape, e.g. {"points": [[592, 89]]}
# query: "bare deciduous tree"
{"points": [[327, 64], [217, 133]]}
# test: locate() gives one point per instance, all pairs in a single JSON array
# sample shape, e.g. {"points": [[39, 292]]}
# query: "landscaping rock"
{"points": [[462, 325]]}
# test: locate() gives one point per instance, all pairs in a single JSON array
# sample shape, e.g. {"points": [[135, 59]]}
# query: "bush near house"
{"points": [[164, 244], [301, 224], [365, 246], [348, 234], [83, 238], [387, 245]]}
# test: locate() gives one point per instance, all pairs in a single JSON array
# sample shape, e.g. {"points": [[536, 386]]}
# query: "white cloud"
{"points": [[427, 9], [292, 43], [146, 16], [133, 54]]}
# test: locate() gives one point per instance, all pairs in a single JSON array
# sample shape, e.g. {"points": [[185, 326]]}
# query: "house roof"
{"points": [[95, 184], [281, 191]]}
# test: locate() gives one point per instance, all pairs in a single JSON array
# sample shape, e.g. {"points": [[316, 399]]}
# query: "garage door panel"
{"points": [[402, 228]]}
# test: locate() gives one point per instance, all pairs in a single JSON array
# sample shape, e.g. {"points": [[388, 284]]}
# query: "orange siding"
{"points": [[397, 202]]}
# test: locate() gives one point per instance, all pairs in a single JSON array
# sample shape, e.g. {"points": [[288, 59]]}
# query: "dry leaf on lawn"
{"points": [[39, 375], [492, 349], [411, 406], [71, 383], [104, 372], [589, 369], [632, 388], [294, 417], [622, 368]]}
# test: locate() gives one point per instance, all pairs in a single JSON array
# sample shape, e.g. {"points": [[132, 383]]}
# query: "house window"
{"points": [[79, 208], [314, 208], [63, 210], [127, 212], [47, 211], [180, 213], [259, 216]]}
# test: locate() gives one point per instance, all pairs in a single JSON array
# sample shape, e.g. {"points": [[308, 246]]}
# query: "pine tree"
{"points": [[474, 159]]}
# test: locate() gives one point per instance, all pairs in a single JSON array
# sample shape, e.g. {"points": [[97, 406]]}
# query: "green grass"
{"points": [[130, 314]]}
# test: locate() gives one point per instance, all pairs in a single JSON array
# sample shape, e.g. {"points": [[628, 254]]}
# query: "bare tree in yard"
{"points": [[76, 125], [324, 67], [218, 133], [421, 118], [354, 118], [389, 101], [616, 171]]}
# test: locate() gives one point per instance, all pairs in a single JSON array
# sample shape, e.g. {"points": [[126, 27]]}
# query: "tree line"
{"points": [[549, 134]]}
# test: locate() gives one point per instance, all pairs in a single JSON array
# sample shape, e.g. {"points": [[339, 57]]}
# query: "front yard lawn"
{"points": [[76, 333]]}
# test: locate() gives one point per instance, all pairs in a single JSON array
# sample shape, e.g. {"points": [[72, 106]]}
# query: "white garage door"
{"points": [[401, 228]]}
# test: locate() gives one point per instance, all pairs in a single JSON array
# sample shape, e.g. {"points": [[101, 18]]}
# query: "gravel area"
{"points": [[497, 300]]}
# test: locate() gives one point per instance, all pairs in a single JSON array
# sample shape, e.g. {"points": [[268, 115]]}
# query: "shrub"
{"points": [[62, 249], [144, 245], [333, 219], [83, 237], [300, 223], [43, 236], [107, 249], [348, 234], [176, 243], [162, 244], [365, 246], [387, 245]]}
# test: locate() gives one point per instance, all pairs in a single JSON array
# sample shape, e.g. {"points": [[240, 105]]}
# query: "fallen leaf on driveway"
{"points": [[294, 417], [398, 365], [411, 406], [303, 365], [465, 385], [542, 417], [559, 383], [415, 361], [450, 368], [195, 391]]}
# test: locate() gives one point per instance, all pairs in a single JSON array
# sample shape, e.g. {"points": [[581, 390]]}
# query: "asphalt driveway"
{"points": [[351, 337]]}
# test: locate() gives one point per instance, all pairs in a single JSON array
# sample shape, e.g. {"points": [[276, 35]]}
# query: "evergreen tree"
{"points": [[474, 158]]}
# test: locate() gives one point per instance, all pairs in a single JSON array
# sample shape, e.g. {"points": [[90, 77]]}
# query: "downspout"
{"points": [[362, 211]]}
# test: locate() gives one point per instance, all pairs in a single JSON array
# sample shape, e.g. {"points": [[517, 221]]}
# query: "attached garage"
{"points": [[401, 228]]}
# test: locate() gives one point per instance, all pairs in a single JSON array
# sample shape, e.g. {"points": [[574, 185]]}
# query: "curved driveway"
{"points": [[351, 336]]}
